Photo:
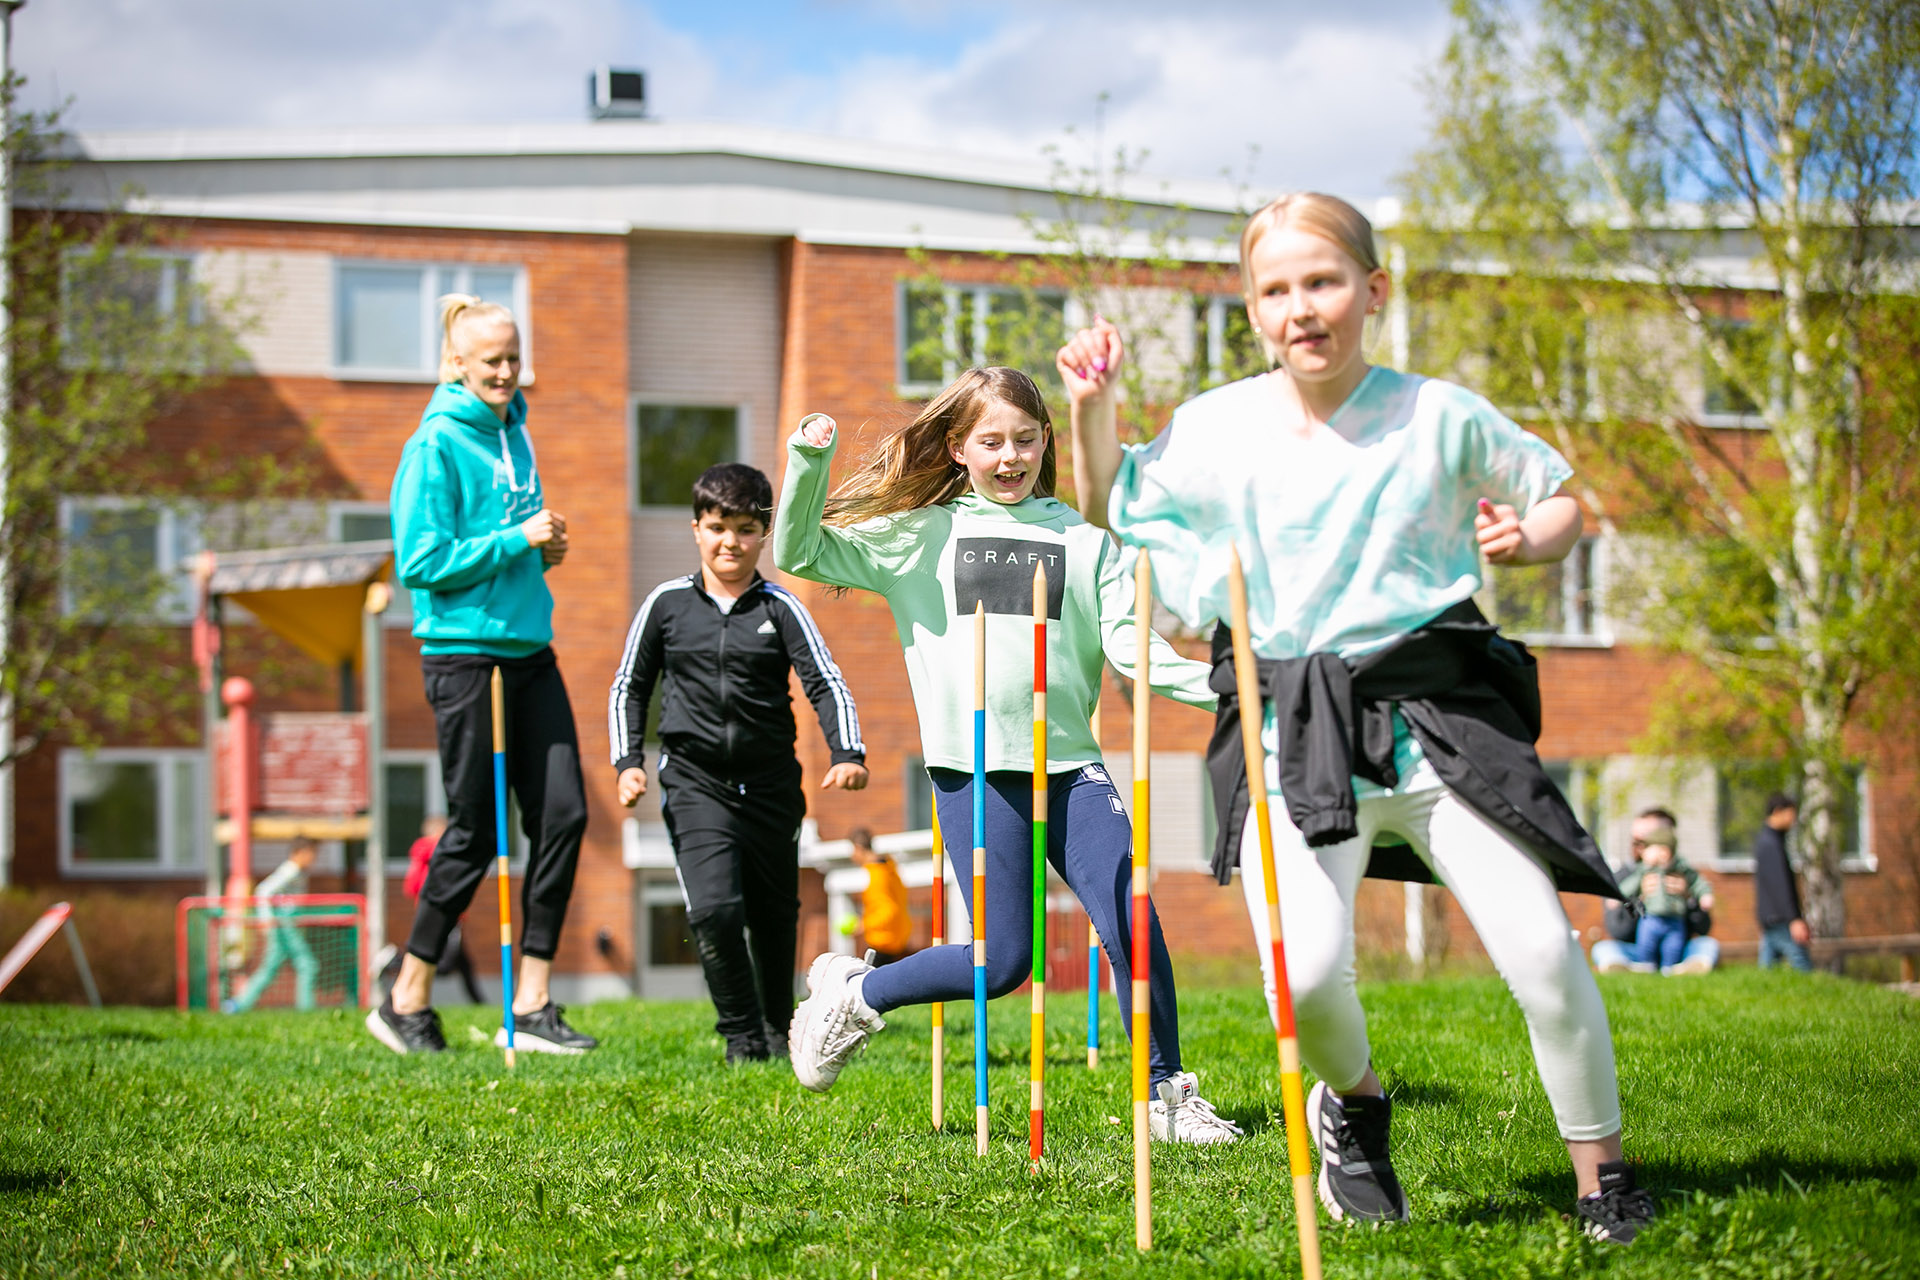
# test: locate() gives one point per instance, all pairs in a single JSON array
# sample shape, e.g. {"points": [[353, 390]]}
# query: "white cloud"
{"points": [[1329, 101]]}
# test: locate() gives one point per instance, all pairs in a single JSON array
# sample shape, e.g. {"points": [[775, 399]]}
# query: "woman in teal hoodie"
{"points": [[955, 509], [473, 540]]}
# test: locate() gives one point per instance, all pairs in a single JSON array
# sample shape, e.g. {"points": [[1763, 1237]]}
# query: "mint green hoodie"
{"points": [[466, 483], [933, 564]]}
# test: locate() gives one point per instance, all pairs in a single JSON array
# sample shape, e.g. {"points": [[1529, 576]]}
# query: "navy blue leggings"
{"points": [[1090, 845]]}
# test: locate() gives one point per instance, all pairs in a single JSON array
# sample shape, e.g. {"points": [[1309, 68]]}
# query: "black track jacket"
{"points": [[725, 701]]}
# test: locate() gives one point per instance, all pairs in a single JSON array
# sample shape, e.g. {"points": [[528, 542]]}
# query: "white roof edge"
{"points": [[611, 138]]}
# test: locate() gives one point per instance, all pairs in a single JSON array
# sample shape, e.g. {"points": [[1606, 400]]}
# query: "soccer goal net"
{"points": [[300, 951]]}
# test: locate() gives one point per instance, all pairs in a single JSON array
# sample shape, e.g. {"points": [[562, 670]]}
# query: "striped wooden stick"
{"points": [[1037, 1062], [500, 860], [939, 1006], [980, 878], [1292, 1096], [1142, 935], [1093, 996]]}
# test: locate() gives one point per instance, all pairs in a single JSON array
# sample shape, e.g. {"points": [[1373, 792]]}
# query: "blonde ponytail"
{"points": [[455, 309]]}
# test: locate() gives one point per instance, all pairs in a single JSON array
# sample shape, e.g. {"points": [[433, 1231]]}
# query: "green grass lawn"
{"points": [[1776, 1116]]}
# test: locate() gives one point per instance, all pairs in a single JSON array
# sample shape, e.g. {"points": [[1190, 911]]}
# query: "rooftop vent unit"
{"points": [[616, 94]]}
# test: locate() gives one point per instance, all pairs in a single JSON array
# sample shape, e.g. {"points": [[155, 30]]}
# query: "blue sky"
{"points": [[1280, 93]]}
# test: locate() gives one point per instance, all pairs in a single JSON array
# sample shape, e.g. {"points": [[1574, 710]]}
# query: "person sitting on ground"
{"points": [[883, 904], [285, 945], [1662, 936], [1622, 921]]}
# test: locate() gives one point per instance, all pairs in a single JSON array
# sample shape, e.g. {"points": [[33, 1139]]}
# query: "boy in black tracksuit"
{"points": [[724, 639]]}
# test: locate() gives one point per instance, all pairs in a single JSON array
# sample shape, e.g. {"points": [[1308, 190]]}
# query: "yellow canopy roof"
{"points": [[311, 596]]}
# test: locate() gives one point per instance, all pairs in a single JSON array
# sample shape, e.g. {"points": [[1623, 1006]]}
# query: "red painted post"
{"points": [[237, 693]]}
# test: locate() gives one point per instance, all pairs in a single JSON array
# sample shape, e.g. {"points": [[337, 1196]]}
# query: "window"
{"points": [[414, 792], [128, 560], [917, 790], [117, 302], [1740, 798], [1723, 401], [369, 522], [126, 811], [1223, 341], [1579, 782], [947, 328], [1550, 603], [674, 443], [387, 315]]}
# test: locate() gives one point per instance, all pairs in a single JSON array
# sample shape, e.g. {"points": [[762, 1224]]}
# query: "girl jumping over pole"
{"points": [[1363, 500], [953, 511]]}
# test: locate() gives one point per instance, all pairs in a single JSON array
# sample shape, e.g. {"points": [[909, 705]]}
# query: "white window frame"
{"points": [[978, 309], [1600, 632], [399, 614], [742, 437], [429, 370], [179, 540], [1860, 861], [175, 863], [396, 858], [178, 269]]}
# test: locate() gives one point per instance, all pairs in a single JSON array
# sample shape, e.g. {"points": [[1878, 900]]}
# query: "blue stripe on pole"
{"points": [[1093, 997], [500, 849]]}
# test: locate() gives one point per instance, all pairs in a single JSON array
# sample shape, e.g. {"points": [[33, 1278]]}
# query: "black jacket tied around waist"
{"points": [[1470, 696]]}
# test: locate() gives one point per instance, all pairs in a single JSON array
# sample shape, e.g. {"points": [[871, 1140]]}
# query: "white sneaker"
{"points": [[1177, 1113], [832, 1024]]}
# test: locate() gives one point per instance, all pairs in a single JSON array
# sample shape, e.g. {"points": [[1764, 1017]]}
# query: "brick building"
{"points": [[687, 293]]}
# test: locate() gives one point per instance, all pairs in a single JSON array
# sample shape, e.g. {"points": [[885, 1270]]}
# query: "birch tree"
{"points": [[1680, 235]]}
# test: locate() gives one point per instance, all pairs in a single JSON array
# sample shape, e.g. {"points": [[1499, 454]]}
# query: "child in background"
{"points": [[284, 943], [723, 643], [955, 509], [884, 918], [1661, 937], [453, 958], [1362, 501]]}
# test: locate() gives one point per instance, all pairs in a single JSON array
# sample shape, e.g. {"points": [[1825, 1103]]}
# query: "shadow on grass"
{"points": [[1671, 1182], [31, 1182]]}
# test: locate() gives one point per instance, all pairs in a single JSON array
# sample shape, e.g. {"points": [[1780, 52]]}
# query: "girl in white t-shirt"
{"points": [[1362, 501]]}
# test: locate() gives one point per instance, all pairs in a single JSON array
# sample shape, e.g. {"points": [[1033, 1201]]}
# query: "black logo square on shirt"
{"points": [[999, 573]]}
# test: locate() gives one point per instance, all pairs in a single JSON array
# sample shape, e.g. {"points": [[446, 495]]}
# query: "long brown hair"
{"points": [[914, 467]]}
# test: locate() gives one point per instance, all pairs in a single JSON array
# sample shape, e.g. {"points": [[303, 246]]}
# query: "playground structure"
{"points": [[289, 775]]}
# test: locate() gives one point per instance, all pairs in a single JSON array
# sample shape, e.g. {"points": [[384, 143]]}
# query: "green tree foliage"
{"points": [[110, 332], [1677, 237]]}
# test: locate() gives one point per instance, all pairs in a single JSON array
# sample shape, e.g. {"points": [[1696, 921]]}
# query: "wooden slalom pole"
{"points": [[1037, 1060], [500, 860], [1292, 1097], [939, 1006], [980, 878], [1142, 935], [1093, 932]]}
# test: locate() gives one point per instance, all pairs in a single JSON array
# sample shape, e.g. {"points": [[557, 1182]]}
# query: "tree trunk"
{"points": [[1822, 793]]}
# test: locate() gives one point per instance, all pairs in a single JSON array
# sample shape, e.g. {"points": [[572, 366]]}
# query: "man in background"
{"points": [[1776, 898]]}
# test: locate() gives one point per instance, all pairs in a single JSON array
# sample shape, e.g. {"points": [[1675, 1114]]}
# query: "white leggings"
{"points": [[1510, 901]]}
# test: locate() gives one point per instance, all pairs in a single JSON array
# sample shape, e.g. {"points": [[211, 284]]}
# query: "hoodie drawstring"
{"points": [[506, 456]]}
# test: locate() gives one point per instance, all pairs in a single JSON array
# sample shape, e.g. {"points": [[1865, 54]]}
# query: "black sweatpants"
{"points": [[737, 845], [543, 768]]}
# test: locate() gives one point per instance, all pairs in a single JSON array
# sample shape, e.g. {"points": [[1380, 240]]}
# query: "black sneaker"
{"points": [[746, 1047], [545, 1031], [1619, 1210], [1357, 1181], [776, 1041], [406, 1032]]}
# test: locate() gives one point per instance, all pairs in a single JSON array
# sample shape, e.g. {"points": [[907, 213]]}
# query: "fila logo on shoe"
{"points": [[765, 628]]}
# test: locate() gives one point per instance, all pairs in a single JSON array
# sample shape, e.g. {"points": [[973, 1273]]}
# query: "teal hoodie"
{"points": [[466, 483], [934, 563]]}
